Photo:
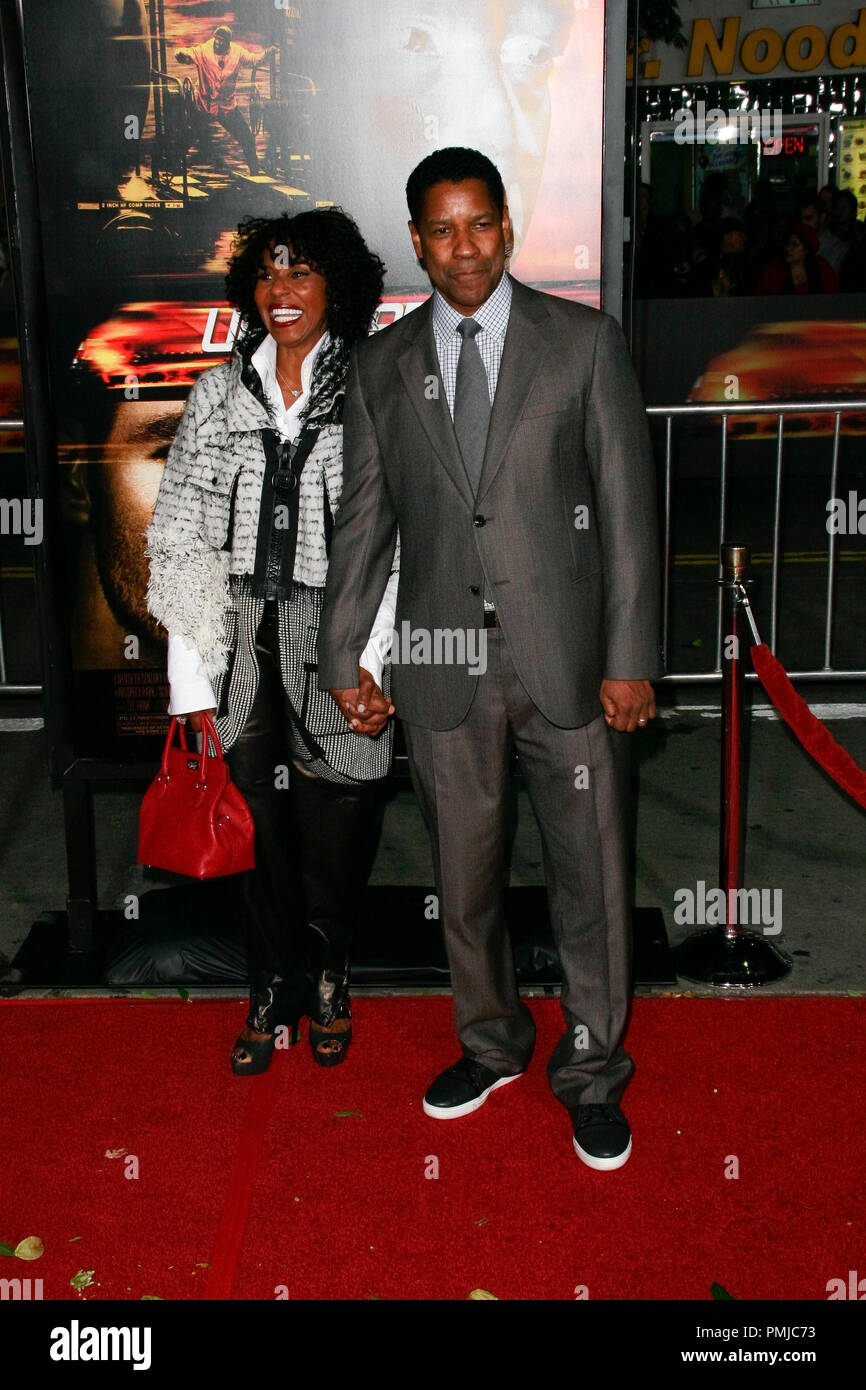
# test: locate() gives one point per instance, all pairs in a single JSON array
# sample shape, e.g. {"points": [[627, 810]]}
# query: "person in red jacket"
{"points": [[218, 63], [803, 271]]}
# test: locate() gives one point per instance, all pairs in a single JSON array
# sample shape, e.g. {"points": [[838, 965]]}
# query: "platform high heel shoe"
{"points": [[274, 1001], [330, 1015]]}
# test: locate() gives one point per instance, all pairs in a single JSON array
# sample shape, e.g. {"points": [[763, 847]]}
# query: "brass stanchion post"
{"points": [[727, 957]]}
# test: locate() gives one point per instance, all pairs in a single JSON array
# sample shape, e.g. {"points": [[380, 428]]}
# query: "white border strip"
{"points": [[824, 712]]}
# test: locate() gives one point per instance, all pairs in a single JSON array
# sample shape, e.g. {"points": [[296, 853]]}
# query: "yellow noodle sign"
{"points": [[762, 51]]}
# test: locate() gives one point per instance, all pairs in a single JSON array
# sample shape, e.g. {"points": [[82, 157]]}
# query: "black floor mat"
{"points": [[187, 936]]}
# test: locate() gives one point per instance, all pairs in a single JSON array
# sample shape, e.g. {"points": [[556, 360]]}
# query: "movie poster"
{"points": [[158, 125]]}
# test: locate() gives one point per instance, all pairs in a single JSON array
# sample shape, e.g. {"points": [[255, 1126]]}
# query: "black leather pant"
{"points": [[315, 845]]}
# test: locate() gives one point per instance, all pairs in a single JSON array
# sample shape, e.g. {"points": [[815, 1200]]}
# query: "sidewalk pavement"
{"points": [[803, 835]]}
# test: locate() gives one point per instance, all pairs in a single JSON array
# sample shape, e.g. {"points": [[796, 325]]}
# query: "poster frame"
{"points": [[73, 771]]}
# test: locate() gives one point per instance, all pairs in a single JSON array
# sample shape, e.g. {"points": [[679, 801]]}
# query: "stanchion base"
{"points": [[711, 958]]}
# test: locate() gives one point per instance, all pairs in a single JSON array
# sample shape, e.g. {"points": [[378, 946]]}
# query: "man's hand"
{"points": [[366, 708], [194, 720], [183, 58], [627, 704]]}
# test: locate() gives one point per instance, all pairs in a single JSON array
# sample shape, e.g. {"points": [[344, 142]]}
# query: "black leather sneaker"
{"points": [[602, 1138], [461, 1089]]}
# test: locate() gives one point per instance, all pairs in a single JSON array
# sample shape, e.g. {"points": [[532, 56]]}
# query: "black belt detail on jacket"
{"points": [[278, 517]]}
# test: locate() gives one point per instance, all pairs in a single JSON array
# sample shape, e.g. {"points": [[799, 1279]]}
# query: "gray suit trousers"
{"points": [[577, 783]]}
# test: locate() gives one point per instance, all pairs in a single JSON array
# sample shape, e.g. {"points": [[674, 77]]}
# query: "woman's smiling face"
{"points": [[291, 299]]}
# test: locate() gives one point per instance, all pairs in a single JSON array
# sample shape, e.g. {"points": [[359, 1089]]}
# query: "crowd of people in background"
{"points": [[818, 248]]}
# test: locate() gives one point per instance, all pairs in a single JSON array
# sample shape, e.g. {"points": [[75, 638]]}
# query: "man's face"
{"points": [[123, 492], [809, 215], [220, 44], [410, 77], [463, 241]]}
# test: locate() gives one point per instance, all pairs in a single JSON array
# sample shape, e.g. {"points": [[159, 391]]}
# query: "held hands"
{"points": [[627, 705], [366, 708]]}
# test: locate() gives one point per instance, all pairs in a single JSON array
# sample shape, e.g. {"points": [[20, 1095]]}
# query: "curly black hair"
{"points": [[329, 242]]}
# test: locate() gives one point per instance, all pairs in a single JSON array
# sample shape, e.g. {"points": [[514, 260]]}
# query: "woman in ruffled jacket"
{"points": [[238, 551]]}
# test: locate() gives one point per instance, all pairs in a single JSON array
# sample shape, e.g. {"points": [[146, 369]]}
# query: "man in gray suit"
{"points": [[502, 432]]}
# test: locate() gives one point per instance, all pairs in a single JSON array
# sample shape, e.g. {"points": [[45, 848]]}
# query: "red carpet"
{"points": [[315, 1180]]}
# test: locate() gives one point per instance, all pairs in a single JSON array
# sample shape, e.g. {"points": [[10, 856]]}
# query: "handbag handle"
{"points": [[169, 740], [208, 733]]}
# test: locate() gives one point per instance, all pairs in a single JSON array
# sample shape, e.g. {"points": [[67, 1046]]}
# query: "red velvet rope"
{"points": [[815, 738]]}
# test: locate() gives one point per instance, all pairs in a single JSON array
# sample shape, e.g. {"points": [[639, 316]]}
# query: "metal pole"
{"points": [[736, 560], [727, 957], [777, 534], [831, 550], [723, 526], [666, 595]]}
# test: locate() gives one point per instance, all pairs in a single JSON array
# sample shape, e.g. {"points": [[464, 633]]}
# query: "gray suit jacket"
{"points": [[563, 526]]}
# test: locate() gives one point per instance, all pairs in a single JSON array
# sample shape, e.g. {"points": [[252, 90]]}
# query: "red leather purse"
{"points": [[193, 819]]}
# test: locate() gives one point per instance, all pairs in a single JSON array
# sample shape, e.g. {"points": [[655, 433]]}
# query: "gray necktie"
{"points": [[471, 402]]}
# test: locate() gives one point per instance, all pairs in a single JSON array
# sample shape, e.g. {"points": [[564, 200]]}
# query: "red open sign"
{"points": [[789, 144]]}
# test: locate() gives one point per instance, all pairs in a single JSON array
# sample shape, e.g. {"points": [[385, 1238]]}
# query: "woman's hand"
{"points": [[365, 707], [194, 719]]}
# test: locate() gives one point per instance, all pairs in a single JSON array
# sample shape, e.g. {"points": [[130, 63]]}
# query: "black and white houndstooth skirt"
{"points": [[320, 735]]}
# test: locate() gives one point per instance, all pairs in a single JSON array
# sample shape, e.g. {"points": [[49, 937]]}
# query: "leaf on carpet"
{"points": [[30, 1248]]}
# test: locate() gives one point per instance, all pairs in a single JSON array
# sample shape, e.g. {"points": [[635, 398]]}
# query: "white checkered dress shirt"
{"points": [[493, 318]]}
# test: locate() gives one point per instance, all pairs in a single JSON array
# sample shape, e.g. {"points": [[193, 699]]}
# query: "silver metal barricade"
{"points": [[723, 412]]}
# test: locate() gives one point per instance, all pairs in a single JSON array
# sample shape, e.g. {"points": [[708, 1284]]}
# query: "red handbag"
{"points": [[193, 819]]}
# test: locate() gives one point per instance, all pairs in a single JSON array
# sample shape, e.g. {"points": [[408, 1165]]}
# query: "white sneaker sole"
{"points": [[453, 1112], [602, 1164]]}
